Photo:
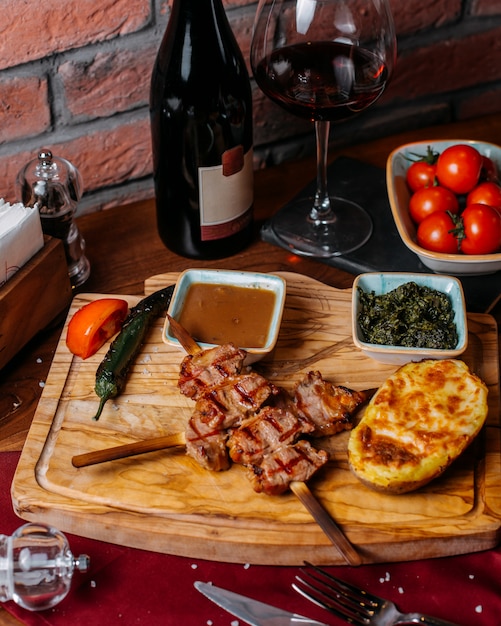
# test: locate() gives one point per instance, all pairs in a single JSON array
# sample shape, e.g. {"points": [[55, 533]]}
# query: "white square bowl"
{"points": [[384, 282], [252, 280], [399, 196]]}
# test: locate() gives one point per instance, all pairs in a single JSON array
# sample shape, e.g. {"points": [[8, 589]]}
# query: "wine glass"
{"points": [[324, 60]]}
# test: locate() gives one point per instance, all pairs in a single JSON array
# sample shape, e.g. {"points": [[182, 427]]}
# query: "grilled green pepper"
{"points": [[112, 371]]}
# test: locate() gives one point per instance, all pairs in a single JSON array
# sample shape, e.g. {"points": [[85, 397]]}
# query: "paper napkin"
{"points": [[21, 237]]}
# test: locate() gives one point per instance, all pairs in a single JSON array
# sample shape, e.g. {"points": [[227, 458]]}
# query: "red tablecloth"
{"points": [[134, 587]]}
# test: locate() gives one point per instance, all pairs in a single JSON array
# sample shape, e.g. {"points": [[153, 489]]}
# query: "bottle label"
{"points": [[226, 194]]}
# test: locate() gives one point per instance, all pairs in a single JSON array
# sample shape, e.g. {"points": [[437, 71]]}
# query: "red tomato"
{"points": [[458, 168], [481, 230], [436, 233], [489, 170], [429, 200], [95, 323], [420, 174], [485, 193]]}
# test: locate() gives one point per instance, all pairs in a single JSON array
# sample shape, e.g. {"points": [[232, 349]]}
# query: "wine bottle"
{"points": [[201, 124]]}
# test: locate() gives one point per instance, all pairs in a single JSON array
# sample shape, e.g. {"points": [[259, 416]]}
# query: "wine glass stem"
{"points": [[321, 212]]}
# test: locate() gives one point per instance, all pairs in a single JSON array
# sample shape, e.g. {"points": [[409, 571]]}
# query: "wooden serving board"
{"points": [[163, 501]]}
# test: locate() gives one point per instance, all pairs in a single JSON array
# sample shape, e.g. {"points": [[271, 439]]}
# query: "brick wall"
{"points": [[74, 77]]}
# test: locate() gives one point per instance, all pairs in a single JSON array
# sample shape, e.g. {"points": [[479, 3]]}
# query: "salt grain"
{"points": [[193, 566], [235, 622], [93, 584], [39, 360], [478, 608], [401, 590], [246, 566], [471, 576], [41, 384]]}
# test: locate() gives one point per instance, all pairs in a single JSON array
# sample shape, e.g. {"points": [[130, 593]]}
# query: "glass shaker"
{"points": [[53, 185], [36, 567]]}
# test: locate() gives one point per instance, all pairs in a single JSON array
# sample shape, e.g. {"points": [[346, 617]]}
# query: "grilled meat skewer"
{"points": [[285, 465], [207, 369], [269, 429], [221, 408]]}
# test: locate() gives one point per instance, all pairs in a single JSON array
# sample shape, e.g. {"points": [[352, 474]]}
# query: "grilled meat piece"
{"points": [[219, 409], [209, 368], [328, 406], [207, 446], [264, 432], [240, 396], [279, 468]]}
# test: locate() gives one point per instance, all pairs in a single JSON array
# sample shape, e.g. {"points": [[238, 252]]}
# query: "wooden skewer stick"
{"points": [[183, 336], [326, 523], [128, 449]]}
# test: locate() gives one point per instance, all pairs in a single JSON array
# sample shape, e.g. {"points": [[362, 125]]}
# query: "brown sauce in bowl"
{"points": [[222, 313]]}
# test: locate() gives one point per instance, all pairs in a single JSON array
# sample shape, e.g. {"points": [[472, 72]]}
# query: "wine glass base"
{"points": [[349, 229]]}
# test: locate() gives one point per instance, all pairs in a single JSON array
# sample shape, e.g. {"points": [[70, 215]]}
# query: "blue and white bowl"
{"points": [[385, 282], [254, 280]]}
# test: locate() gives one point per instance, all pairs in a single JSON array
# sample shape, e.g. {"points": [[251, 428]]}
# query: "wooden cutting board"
{"points": [[162, 501]]}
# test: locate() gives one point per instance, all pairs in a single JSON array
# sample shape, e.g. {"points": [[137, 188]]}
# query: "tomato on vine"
{"points": [[480, 230], [459, 167], [489, 170], [422, 172], [485, 193], [437, 233], [428, 200]]}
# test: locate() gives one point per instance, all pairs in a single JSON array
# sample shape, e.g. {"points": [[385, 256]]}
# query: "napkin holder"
{"points": [[33, 298]]}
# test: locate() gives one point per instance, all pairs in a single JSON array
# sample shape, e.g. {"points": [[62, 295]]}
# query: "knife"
{"points": [[252, 611]]}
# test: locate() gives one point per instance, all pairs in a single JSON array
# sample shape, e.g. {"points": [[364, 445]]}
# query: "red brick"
{"points": [[30, 33], [103, 157], [415, 15], [272, 123], [484, 103], [24, 109], [108, 83], [125, 195], [446, 66], [485, 7]]}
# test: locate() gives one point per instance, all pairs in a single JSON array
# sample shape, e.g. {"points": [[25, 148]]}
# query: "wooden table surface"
{"points": [[124, 249]]}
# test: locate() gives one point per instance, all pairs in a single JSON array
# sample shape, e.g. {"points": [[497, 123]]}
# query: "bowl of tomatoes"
{"points": [[445, 197]]}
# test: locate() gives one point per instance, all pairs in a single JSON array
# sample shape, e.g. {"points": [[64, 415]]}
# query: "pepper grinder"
{"points": [[53, 185], [36, 567]]}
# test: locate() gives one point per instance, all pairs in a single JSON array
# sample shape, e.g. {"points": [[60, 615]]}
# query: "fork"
{"points": [[354, 605]]}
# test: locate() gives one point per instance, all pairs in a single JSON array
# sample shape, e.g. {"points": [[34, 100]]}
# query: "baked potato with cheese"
{"points": [[418, 422]]}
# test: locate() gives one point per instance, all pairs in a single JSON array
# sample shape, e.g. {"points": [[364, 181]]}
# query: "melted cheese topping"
{"points": [[417, 423]]}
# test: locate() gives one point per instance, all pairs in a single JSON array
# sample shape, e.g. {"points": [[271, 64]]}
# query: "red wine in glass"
{"points": [[322, 80]]}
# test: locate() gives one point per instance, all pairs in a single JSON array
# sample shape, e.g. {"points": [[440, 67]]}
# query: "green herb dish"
{"points": [[402, 317]]}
